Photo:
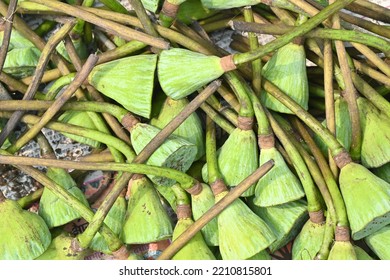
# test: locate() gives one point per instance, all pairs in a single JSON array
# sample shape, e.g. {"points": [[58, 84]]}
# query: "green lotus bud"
{"points": [[308, 242], [342, 250], [379, 242]]}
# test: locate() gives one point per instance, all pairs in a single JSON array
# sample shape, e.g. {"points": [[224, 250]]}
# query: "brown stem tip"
{"points": [[227, 63], [170, 9], [342, 234], [342, 159], [266, 141], [195, 189], [245, 123], [218, 186], [129, 121], [317, 217]]}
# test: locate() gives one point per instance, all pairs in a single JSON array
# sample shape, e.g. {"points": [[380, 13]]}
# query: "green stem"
{"points": [[312, 195], [81, 131], [29, 199], [321, 33], [325, 135], [182, 197], [185, 181], [327, 241], [117, 29], [222, 123], [17, 85], [288, 37], [341, 212], [58, 85], [254, 43], [38, 105], [211, 152]]}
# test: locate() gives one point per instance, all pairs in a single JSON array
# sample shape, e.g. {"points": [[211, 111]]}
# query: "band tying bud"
{"points": [[129, 121], [227, 63], [342, 159], [245, 123], [121, 254], [317, 217], [218, 186], [196, 189], [342, 234], [170, 9], [183, 211], [266, 141]]}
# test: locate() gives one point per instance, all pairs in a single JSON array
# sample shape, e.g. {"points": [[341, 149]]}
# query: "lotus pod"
{"points": [[360, 189], [279, 185], [201, 203], [343, 127], [308, 242], [61, 248], [22, 56], [376, 135], [379, 242], [342, 250], [190, 130], [287, 70], [52, 209], [239, 150], [285, 220], [146, 219], [192, 10], [129, 81], [81, 119], [239, 221], [114, 220], [196, 248], [175, 152], [151, 5], [383, 172], [361, 254], [181, 72], [227, 4], [263, 255], [24, 234], [81, 49]]}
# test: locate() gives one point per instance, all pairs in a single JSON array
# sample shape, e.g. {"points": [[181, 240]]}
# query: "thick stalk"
{"points": [[211, 152], [40, 68], [182, 178], [312, 195], [341, 212], [117, 29], [254, 43], [217, 208], [7, 27], [296, 32], [330, 114], [29, 199], [326, 136], [104, 138], [320, 33], [221, 122]]}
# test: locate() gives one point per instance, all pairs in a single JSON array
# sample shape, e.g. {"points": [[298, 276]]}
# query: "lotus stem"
{"points": [[7, 27], [312, 195], [211, 153], [84, 132], [288, 37], [58, 85], [370, 72], [145, 20], [321, 33], [326, 136], [181, 195], [223, 123], [17, 85], [185, 181], [42, 63], [49, 114], [341, 212], [327, 241], [45, 27], [122, 51], [329, 98], [215, 210], [254, 43], [117, 29], [48, 76]]}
